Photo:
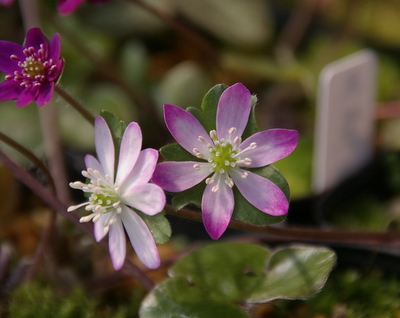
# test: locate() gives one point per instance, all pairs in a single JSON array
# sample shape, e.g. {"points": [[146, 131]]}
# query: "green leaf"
{"points": [[158, 226], [117, 128], [175, 152], [226, 270], [244, 211], [178, 298], [189, 196], [296, 272]]}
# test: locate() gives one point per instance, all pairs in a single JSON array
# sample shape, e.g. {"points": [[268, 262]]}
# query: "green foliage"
{"points": [[224, 277], [243, 211], [158, 225], [36, 299]]}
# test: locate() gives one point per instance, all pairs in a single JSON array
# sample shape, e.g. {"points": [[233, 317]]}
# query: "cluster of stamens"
{"points": [[35, 69], [104, 198], [224, 155]]}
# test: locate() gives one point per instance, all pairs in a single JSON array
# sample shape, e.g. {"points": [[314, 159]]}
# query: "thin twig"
{"points": [[61, 208]]}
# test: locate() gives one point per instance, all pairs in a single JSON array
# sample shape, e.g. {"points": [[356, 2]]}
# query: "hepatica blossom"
{"points": [[68, 6], [6, 3], [113, 195], [226, 160], [31, 70]]}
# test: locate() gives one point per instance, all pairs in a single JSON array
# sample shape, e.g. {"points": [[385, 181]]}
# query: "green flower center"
{"points": [[104, 202], [223, 157]]}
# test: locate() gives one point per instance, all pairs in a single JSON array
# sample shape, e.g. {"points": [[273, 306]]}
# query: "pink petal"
{"points": [[35, 37], [234, 108], [260, 192], [176, 176], [10, 89], [217, 207], [7, 65], [104, 146], [272, 145], [147, 198], [142, 171], [117, 244], [141, 238], [92, 162], [131, 145], [55, 47], [186, 129], [27, 96], [45, 93], [99, 230], [67, 6]]}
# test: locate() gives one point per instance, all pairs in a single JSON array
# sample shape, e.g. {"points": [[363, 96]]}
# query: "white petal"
{"points": [[117, 244], [104, 146], [141, 238], [99, 230], [92, 162]]}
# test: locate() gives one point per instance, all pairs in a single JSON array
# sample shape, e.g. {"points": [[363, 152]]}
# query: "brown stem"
{"points": [[302, 233], [61, 208], [75, 104]]}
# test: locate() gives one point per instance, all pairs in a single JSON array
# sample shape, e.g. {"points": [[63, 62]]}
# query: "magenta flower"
{"points": [[113, 195], [226, 160], [32, 70], [6, 3], [68, 6]]}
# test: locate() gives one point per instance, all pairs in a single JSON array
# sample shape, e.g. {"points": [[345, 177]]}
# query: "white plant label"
{"points": [[345, 119]]}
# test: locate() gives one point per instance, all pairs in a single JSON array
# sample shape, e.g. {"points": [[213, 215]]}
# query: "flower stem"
{"points": [[74, 103], [46, 195], [303, 234]]}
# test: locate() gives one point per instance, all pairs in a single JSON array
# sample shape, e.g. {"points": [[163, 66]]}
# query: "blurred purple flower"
{"points": [[31, 70], [66, 7], [113, 195], [6, 3], [226, 159]]}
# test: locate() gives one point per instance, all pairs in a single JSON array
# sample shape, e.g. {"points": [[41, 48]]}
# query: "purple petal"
{"points": [[217, 207], [142, 171], [55, 47], [131, 145], [141, 238], [99, 230], [176, 176], [7, 65], [147, 198], [186, 129], [104, 146], [27, 96], [10, 89], [92, 162], [234, 108], [35, 37], [67, 6], [260, 192], [117, 244], [272, 145], [45, 94]]}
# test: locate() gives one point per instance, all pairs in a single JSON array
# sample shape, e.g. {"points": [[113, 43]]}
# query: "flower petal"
{"points": [[131, 145], [186, 129], [92, 162], [104, 146], [142, 171], [99, 229], [10, 89], [272, 145], [45, 93], [35, 37], [55, 47], [67, 6], [234, 108], [27, 95], [8, 65], [141, 238], [260, 192], [217, 207], [176, 176], [117, 244], [147, 198]]}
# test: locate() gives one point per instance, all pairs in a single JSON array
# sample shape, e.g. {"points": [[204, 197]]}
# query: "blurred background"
{"points": [[131, 58]]}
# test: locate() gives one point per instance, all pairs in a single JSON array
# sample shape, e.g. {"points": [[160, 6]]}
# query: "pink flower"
{"points": [[113, 196], [68, 6], [31, 70], [226, 160]]}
